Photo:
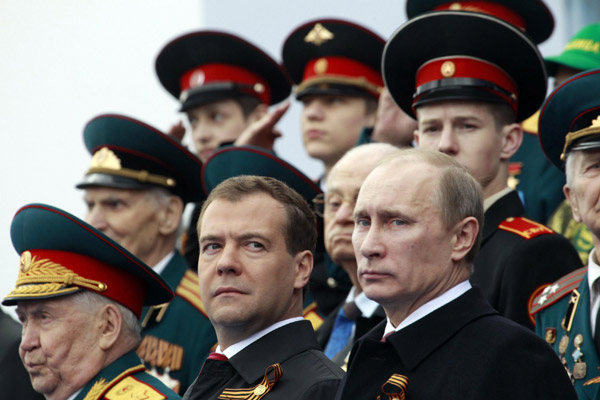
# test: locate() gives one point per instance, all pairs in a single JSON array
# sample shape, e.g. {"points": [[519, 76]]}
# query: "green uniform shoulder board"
{"points": [[131, 388], [557, 290], [524, 227], [188, 290]]}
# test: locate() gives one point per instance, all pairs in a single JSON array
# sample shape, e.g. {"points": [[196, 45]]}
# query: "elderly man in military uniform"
{"points": [[468, 97], [136, 187], [257, 238], [79, 296], [566, 312]]}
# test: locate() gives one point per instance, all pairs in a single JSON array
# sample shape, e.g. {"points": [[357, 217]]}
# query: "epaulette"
{"points": [[556, 291], [188, 290], [311, 314], [131, 388], [524, 227]]}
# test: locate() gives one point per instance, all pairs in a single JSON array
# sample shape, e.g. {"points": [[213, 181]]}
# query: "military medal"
{"points": [[562, 345], [550, 336], [579, 368]]}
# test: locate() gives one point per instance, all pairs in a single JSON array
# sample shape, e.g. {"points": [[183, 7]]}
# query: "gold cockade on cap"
{"points": [[318, 35]]}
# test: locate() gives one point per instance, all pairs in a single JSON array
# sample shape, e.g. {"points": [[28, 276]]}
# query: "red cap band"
{"points": [[471, 68], [221, 73], [486, 7], [118, 284], [340, 69]]}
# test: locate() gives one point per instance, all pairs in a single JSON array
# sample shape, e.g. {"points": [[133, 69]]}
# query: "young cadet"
{"points": [[336, 67], [566, 312], [468, 96], [580, 54], [538, 183], [137, 185], [225, 86], [79, 296]]}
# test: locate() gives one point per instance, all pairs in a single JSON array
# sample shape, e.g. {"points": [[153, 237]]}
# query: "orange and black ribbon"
{"points": [[257, 392], [397, 391]]}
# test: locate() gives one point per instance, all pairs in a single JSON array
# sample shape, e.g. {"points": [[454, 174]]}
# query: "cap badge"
{"points": [[318, 35], [455, 6], [197, 79], [596, 122], [259, 88], [25, 262], [105, 158], [448, 69], [321, 66]]}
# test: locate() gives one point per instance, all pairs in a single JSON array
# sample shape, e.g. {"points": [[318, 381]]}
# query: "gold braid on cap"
{"points": [[105, 161], [573, 136], [360, 82], [41, 277]]}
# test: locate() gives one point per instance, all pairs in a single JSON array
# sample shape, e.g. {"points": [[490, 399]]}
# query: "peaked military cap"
{"points": [[463, 56], [582, 52], [332, 56], [207, 66], [531, 16], [570, 117], [61, 254], [129, 154], [249, 160]]}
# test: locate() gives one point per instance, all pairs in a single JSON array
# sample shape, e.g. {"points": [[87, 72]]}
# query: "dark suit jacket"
{"points": [[307, 373], [509, 267], [463, 350]]}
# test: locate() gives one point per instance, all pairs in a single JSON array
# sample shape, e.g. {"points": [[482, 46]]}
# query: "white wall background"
{"points": [[63, 62]]}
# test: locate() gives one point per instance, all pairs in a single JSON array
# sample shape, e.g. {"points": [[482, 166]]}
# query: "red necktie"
{"points": [[217, 356]]}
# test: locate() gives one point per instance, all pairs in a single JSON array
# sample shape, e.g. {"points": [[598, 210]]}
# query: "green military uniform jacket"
{"points": [[176, 339], [568, 299], [125, 379]]}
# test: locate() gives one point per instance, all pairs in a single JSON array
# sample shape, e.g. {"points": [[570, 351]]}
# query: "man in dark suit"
{"points": [[257, 238], [468, 97], [357, 314], [417, 221]]}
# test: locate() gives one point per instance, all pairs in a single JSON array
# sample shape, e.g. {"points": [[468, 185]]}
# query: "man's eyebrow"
{"points": [[253, 235], [209, 237]]}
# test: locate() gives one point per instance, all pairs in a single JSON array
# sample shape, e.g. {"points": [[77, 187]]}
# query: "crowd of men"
{"points": [[417, 266]]}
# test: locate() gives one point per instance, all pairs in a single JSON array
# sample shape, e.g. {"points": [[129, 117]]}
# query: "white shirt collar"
{"points": [[366, 306], [161, 265], [593, 271], [239, 346], [429, 307], [72, 397]]}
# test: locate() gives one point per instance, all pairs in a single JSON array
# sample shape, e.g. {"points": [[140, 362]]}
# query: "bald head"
{"points": [[343, 184]]}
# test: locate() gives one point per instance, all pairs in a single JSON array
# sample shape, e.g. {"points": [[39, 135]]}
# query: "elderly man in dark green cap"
{"points": [[79, 296], [136, 187], [566, 311]]}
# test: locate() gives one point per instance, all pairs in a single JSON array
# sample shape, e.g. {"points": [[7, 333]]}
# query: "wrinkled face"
{"points": [[467, 132], [331, 125], [248, 280], [214, 124], [343, 185], [56, 342], [402, 246], [129, 217], [584, 193]]}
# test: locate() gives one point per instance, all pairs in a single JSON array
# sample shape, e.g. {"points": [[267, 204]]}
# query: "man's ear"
{"points": [[466, 233], [304, 266], [111, 325], [573, 202], [257, 113], [512, 137], [171, 215]]}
